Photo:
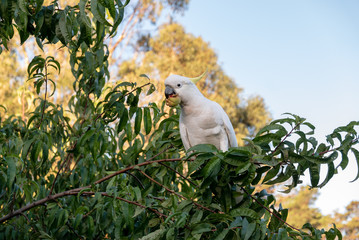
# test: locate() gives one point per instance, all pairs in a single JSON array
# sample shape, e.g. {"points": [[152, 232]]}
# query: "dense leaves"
{"points": [[106, 166]]}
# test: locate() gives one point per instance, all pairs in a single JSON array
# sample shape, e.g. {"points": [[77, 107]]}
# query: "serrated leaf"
{"points": [[203, 148], [212, 167], [281, 131], [244, 212], [63, 27], [314, 174]]}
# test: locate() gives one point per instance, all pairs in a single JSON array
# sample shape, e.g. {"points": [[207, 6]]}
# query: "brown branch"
{"points": [[128, 201], [61, 167], [354, 141], [268, 210], [77, 190], [181, 175], [137, 204], [164, 150], [286, 136]]}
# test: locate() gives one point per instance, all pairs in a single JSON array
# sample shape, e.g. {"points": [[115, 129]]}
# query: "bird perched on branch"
{"points": [[202, 121]]}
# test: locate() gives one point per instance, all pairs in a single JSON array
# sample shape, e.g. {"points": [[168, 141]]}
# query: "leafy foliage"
{"points": [[118, 170]]}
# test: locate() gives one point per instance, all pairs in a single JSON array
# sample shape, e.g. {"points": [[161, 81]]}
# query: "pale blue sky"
{"points": [[300, 56]]}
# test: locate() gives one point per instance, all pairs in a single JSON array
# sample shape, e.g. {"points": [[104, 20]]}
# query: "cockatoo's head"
{"points": [[179, 89]]}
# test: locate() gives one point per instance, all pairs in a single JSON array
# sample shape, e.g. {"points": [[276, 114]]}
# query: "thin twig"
{"points": [[61, 167], [286, 136], [138, 180], [354, 141], [190, 181], [173, 192], [268, 210], [164, 150]]}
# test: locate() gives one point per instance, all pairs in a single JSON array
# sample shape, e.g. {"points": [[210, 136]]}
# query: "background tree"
{"points": [[348, 221], [300, 202], [95, 176]]}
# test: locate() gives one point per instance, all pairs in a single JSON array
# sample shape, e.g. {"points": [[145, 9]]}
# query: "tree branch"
{"points": [[75, 191]]}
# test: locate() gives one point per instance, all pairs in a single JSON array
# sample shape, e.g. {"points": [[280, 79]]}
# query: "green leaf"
{"points": [[23, 7], [154, 235], [145, 76], [222, 235], [97, 14], [244, 212], [271, 173], [345, 160], [356, 154], [203, 148], [151, 89], [249, 230], [123, 120], [281, 131], [35, 151], [314, 174], [63, 27], [138, 120], [212, 167], [147, 120], [330, 174], [11, 170], [201, 228]]}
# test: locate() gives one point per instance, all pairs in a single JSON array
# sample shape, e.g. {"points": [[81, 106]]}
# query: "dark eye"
{"points": [[179, 85]]}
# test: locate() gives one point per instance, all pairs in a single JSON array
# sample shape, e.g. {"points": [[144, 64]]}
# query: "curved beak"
{"points": [[169, 91]]}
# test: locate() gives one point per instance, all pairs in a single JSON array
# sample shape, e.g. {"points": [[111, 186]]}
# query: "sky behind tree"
{"points": [[302, 57]]}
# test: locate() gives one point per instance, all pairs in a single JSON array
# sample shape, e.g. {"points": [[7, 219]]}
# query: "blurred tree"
{"points": [[348, 222], [300, 202], [173, 51], [14, 96], [141, 13]]}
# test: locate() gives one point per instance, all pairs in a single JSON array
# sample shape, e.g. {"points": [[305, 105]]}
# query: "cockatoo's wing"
{"points": [[184, 134], [232, 140]]}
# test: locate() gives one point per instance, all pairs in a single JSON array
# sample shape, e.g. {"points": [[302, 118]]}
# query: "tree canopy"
{"points": [[105, 166]]}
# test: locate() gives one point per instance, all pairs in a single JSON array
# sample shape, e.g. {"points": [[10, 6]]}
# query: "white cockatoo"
{"points": [[202, 121]]}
